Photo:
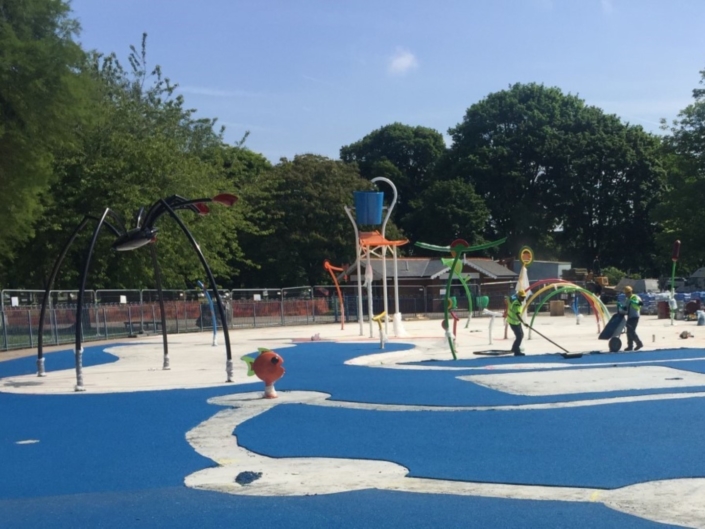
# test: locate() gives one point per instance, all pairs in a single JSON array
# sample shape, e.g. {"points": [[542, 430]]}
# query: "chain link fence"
{"points": [[110, 314]]}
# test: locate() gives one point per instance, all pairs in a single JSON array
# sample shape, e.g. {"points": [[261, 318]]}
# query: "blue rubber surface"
{"points": [[179, 507], [595, 446], [92, 356], [119, 460], [319, 367]]}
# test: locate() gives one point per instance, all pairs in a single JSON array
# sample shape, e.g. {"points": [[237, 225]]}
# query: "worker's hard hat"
{"points": [[628, 289], [521, 294]]}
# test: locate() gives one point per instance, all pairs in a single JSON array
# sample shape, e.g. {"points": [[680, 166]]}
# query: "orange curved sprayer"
{"points": [[331, 269]]}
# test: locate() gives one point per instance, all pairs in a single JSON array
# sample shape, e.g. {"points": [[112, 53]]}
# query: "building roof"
{"points": [[491, 269], [417, 267], [700, 272], [429, 268]]}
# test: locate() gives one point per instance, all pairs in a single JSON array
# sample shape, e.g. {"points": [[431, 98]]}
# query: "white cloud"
{"points": [[402, 62], [607, 6]]}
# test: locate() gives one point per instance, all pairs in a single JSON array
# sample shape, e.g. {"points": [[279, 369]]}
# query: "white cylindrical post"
{"points": [[359, 277], [492, 315], [369, 273], [384, 250]]}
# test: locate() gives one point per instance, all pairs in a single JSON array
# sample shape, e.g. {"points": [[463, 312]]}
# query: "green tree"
{"points": [[558, 175], [306, 221], [249, 173], [616, 178], [41, 87], [449, 210], [614, 275], [406, 155], [677, 214], [141, 145]]}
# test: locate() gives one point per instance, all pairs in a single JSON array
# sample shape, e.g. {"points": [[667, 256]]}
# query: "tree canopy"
{"points": [[406, 155], [140, 145], [41, 89], [457, 213], [80, 132], [558, 175], [306, 220], [684, 154]]}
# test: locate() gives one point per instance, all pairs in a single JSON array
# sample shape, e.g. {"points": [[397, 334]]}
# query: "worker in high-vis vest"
{"points": [[632, 308], [515, 322]]}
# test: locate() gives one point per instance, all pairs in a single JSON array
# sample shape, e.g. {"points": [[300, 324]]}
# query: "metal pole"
{"points": [[54, 326], [78, 352], [211, 279], [548, 339], [313, 304], [129, 320], [4, 329], [281, 305], [359, 278], [176, 309], [384, 252], [29, 321], [370, 308], [210, 304], [674, 257], [47, 293]]}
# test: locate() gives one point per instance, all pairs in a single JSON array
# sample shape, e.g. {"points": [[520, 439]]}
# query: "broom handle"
{"points": [[544, 337]]}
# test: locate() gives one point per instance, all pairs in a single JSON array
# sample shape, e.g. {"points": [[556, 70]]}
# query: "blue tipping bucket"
{"points": [[368, 207]]}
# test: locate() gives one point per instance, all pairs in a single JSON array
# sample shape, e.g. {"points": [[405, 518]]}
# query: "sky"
{"points": [[311, 76]]}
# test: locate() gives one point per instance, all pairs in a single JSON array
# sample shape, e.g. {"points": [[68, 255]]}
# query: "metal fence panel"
{"points": [[255, 294], [110, 314]]}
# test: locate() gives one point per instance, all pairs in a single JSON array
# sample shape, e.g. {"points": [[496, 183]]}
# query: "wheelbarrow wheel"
{"points": [[615, 344]]}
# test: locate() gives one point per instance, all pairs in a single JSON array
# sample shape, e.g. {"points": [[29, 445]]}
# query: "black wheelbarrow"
{"points": [[613, 330]]}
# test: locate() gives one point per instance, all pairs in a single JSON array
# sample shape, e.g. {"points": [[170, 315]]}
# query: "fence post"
{"points": [[281, 306], [154, 318], [55, 326], [29, 321], [254, 314], [4, 329], [95, 311], [141, 310], [176, 304], [105, 322], [313, 307], [129, 320]]}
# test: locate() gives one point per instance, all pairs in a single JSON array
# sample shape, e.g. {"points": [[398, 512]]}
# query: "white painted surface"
{"points": [[677, 501], [586, 380]]}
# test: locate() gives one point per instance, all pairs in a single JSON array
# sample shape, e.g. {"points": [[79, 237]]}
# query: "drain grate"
{"points": [[247, 477]]}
